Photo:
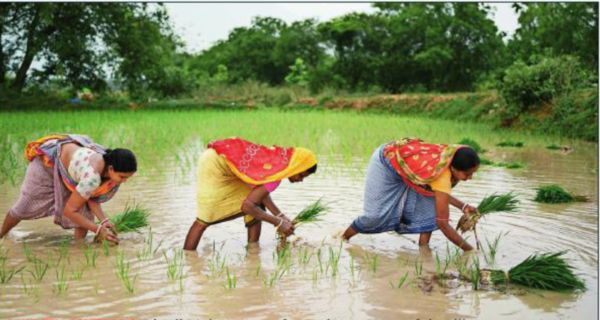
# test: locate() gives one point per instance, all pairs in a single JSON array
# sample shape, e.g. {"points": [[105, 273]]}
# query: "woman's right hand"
{"points": [[107, 234], [286, 228]]}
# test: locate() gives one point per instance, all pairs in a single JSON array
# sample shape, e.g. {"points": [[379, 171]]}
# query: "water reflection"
{"points": [[308, 292]]}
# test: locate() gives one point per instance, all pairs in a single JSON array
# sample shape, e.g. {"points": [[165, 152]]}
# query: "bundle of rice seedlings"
{"points": [[473, 144], [553, 146], [133, 218], [555, 194], [489, 204], [312, 213], [547, 271], [510, 144]]}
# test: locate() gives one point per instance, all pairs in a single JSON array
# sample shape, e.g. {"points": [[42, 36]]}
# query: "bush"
{"points": [[525, 86]]}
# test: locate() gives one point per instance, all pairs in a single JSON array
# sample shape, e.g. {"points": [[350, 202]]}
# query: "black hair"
{"points": [[465, 159], [122, 160], [312, 169]]}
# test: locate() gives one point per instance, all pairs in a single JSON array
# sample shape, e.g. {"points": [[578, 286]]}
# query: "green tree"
{"points": [[557, 28], [79, 41]]}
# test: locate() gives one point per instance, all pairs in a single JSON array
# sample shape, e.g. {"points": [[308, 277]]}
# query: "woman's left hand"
{"points": [[109, 225], [284, 217], [468, 209]]}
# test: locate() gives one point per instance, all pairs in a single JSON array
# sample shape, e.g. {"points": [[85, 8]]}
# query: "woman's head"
{"points": [[120, 164], [464, 163], [300, 176]]}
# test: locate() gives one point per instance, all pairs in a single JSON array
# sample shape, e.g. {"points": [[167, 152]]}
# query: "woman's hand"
{"points": [[286, 228], [468, 209], [106, 234], [284, 217], [110, 226]]}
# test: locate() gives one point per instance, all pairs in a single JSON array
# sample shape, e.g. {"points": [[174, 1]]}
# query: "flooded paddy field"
{"points": [[383, 276]]}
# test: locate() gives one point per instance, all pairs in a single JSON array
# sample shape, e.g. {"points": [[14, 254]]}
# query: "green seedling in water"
{"points": [[475, 273], [273, 277], [372, 261], [61, 285], [123, 272], [490, 258], [418, 267], [334, 260], [90, 253], [556, 194], [400, 281], [149, 250], [30, 289], [258, 268], [105, 248], [7, 273], [231, 282], [39, 269], [304, 257], [175, 265], [27, 252], [77, 275]]}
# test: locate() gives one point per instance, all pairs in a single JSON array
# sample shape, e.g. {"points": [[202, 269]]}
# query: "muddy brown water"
{"points": [[310, 290]]}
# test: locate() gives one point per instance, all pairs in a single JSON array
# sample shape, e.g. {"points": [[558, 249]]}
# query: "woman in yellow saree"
{"points": [[235, 179]]}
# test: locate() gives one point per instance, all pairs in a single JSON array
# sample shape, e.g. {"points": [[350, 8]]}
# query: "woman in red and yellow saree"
{"points": [[235, 178], [68, 177], [408, 189]]}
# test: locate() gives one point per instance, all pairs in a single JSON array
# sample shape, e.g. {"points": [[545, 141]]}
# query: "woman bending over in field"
{"points": [[68, 176], [235, 178], [408, 189]]}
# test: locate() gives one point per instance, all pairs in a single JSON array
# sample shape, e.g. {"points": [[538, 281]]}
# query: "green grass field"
{"points": [[181, 135]]}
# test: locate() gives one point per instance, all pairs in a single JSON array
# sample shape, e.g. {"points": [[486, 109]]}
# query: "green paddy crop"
{"points": [[328, 133]]}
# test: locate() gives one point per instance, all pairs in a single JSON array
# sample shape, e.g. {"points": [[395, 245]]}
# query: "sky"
{"points": [[202, 24]]}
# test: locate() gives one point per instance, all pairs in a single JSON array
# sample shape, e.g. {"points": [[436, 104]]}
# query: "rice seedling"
{"points": [[181, 280], [26, 251], [473, 144], [492, 203], [460, 264], [554, 193], [63, 252], [123, 272], [517, 144], [132, 219], [418, 267], [62, 285], [548, 271], [90, 253], [105, 248], [149, 250], [352, 265], [216, 265], [334, 260], [77, 274], [304, 257], [400, 283], [30, 289], [311, 214], [475, 273], [231, 281], [372, 261], [258, 268], [39, 269], [273, 277], [319, 254], [7, 273], [490, 258], [175, 265], [441, 267]]}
